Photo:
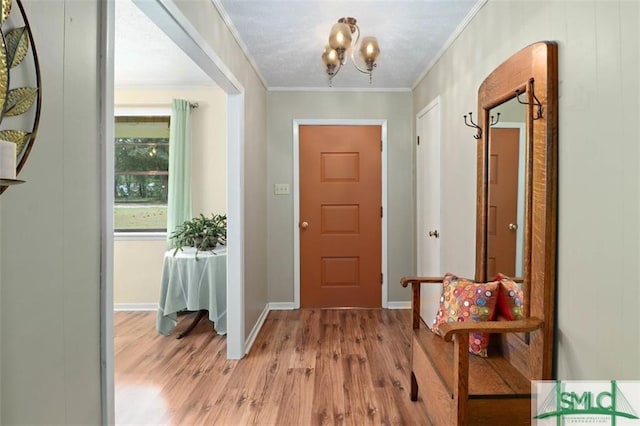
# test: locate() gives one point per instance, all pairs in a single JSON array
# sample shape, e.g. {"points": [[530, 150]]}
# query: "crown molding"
{"points": [[236, 35], [339, 89], [467, 19]]}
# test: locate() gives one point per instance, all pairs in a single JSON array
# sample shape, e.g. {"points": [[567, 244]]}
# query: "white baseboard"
{"points": [[135, 306], [256, 329], [281, 306], [399, 305]]}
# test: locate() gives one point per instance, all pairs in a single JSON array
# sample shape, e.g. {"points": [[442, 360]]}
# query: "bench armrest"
{"points": [[405, 281], [415, 298], [526, 325]]}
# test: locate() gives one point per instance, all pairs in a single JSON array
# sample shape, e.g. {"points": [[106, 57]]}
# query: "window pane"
{"points": [[141, 188], [133, 155], [141, 173], [140, 217]]}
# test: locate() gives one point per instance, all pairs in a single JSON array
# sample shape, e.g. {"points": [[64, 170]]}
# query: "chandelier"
{"points": [[339, 47]]}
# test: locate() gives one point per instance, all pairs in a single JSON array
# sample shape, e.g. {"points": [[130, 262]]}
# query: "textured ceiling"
{"points": [[285, 38], [144, 56]]}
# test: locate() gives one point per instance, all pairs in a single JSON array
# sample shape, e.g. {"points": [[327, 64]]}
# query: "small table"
{"points": [[194, 283]]}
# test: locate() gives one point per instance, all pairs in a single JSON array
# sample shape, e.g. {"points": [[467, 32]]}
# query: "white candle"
{"points": [[7, 160]]}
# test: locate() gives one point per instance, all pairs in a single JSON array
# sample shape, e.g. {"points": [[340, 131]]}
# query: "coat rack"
{"points": [[478, 135], [470, 123], [536, 103]]}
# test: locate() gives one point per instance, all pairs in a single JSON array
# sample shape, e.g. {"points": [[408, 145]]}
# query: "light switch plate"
{"points": [[281, 188]]}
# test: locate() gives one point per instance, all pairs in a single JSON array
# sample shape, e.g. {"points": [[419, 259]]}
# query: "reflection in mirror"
{"points": [[505, 215]]}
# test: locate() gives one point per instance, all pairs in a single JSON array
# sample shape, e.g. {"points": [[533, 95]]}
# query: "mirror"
{"points": [[524, 89], [505, 214]]}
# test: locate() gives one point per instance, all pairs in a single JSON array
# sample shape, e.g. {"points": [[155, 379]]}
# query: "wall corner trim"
{"points": [[281, 306], [256, 329]]}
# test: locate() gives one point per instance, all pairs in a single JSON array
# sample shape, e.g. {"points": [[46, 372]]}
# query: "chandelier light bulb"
{"points": [[369, 49], [340, 37], [332, 56], [331, 60]]}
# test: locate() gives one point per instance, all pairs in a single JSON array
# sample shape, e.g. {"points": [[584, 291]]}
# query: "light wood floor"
{"points": [[306, 367]]}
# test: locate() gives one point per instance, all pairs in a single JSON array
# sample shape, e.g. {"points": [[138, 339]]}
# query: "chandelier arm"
{"points": [[353, 49], [359, 69], [337, 70]]}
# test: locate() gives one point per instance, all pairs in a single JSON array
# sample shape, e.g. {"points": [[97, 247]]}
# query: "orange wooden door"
{"points": [[340, 216], [502, 221]]}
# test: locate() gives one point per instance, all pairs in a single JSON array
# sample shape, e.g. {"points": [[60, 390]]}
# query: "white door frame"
{"points": [[296, 196], [168, 17]]}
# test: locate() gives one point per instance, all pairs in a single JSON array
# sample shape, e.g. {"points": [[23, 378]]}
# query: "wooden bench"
{"points": [[459, 388]]}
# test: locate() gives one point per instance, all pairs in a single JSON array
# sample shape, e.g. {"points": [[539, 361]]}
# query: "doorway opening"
{"points": [[168, 17]]}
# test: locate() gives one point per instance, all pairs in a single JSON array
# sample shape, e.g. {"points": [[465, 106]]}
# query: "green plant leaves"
{"points": [[17, 46], [20, 100], [201, 232]]}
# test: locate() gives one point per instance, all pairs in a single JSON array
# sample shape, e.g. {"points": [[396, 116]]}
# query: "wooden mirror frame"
{"points": [[533, 70]]}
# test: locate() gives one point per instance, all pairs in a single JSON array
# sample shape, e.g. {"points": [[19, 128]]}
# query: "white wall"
{"points": [[599, 186], [206, 19], [137, 272], [138, 263], [50, 234], [283, 107]]}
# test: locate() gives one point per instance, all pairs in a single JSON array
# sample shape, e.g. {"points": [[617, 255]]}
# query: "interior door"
{"points": [[340, 216], [502, 217], [428, 206]]}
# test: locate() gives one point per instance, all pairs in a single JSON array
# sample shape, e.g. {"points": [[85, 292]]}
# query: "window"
{"points": [[141, 173]]}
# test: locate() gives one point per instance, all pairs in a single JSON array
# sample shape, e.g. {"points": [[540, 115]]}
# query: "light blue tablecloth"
{"points": [[193, 283]]}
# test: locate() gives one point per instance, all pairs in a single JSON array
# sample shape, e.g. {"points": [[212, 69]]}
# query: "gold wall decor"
{"points": [[20, 85]]}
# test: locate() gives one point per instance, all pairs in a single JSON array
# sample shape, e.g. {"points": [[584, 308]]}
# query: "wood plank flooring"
{"points": [[306, 367]]}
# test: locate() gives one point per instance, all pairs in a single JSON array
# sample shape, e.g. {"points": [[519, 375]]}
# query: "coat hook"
{"points": [[493, 123], [536, 102], [474, 125]]}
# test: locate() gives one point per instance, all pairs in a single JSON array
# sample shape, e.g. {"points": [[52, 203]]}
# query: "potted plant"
{"points": [[203, 233]]}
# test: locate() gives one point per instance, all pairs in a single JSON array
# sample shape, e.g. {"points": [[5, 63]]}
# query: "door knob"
{"points": [[434, 234], [304, 225], [512, 227]]}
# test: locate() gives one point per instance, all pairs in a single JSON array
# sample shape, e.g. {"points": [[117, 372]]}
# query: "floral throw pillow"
{"points": [[510, 298], [464, 300]]}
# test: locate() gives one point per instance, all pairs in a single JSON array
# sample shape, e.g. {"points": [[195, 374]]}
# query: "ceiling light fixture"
{"points": [[339, 47]]}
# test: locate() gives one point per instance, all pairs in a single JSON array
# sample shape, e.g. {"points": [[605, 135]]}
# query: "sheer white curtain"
{"points": [[179, 195]]}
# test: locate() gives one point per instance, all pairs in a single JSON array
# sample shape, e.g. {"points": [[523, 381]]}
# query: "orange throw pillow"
{"points": [[510, 298], [464, 300]]}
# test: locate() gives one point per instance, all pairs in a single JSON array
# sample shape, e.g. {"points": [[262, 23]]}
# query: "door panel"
{"points": [[428, 208], [340, 216]]}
